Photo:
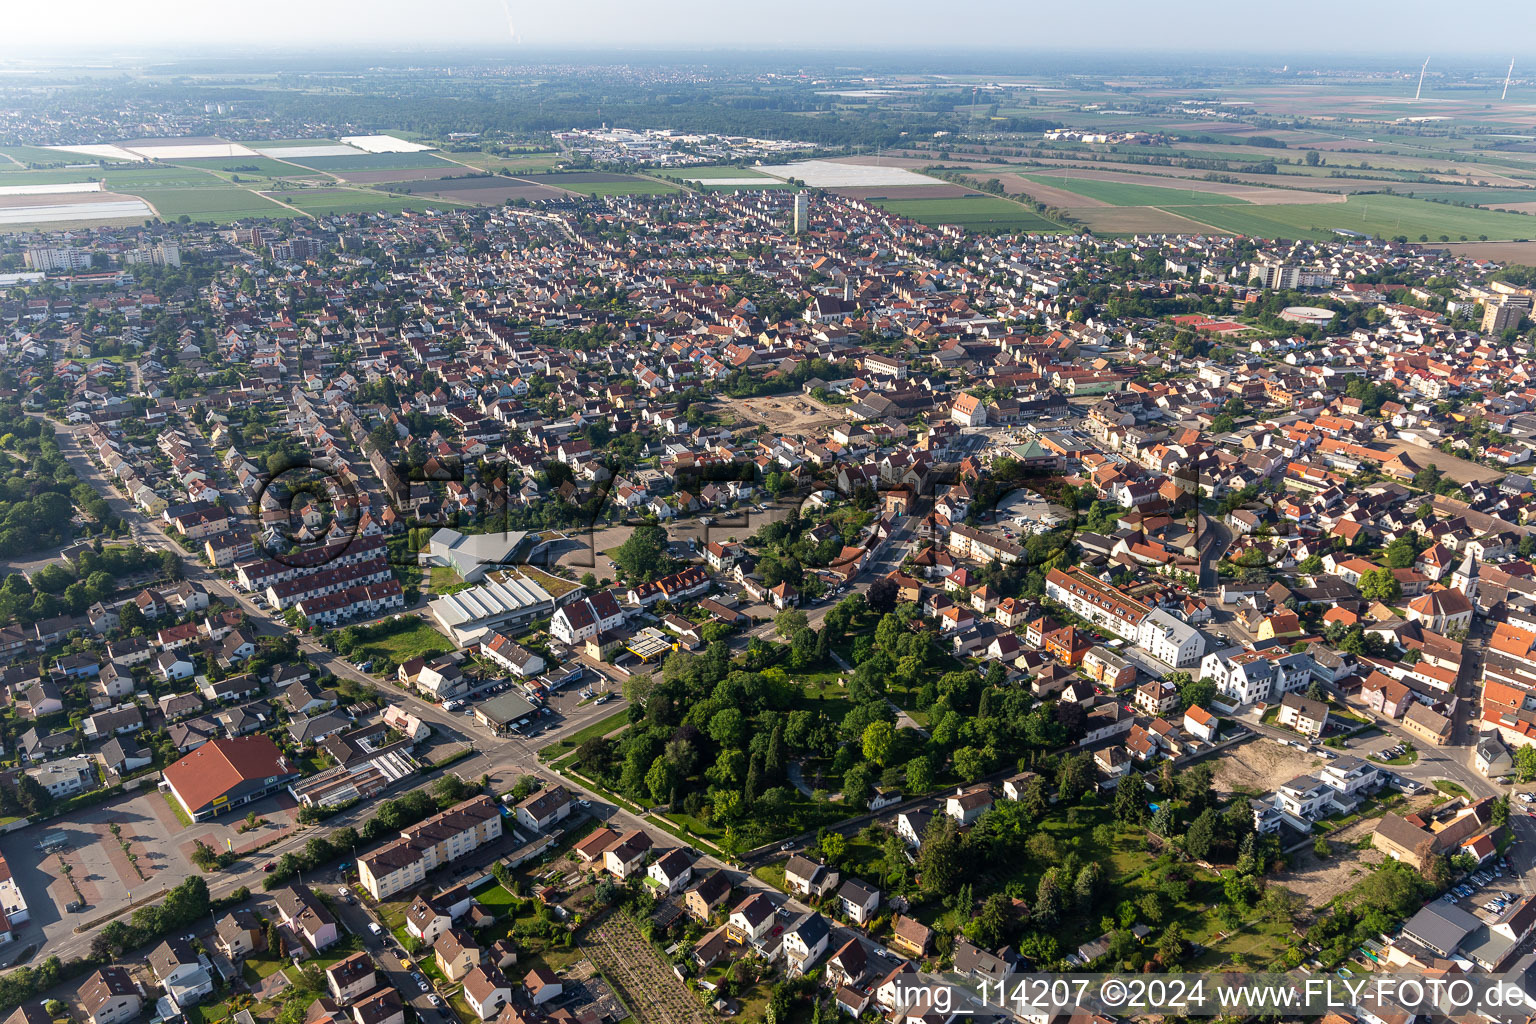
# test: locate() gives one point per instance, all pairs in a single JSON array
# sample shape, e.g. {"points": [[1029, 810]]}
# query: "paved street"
{"points": [[504, 760]]}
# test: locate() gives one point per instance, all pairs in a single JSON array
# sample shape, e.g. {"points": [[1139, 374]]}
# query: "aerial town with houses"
{"points": [[732, 601]]}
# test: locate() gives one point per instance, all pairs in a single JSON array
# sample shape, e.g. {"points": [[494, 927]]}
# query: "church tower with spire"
{"points": [[1464, 578]]}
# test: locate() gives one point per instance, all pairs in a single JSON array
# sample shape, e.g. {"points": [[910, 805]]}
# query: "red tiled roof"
{"points": [[218, 766]]}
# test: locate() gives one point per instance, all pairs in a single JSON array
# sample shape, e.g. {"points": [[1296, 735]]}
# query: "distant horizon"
{"points": [[107, 29]]}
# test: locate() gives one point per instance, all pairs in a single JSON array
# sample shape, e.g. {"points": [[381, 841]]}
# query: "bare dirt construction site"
{"points": [[781, 413], [1318, 880], [1459, 470], [1260, 765]]}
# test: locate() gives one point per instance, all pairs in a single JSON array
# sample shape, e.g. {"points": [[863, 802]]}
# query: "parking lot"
{"points": [[1487, 891], [150, 852]]}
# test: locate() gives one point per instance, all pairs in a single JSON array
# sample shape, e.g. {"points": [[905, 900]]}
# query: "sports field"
{"points": [[1385, 215], [975, 213], [1117, 193]]}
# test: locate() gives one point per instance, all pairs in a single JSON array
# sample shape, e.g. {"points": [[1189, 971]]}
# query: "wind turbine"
{"points": [[1511, 71], [1421, 80]]}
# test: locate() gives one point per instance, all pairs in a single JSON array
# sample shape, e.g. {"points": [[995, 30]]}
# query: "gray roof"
{"points": [[1441, 926]]}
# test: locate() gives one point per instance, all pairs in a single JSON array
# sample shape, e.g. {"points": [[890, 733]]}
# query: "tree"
{"points": [[970, 763], [1196, 692], [858, 785], [1130, 800], [920, 776], [1086, 888], [939, 857], [879, 738], [1201, 835], [990, 928], [1525, 763], [659, 779], [1074, 776], [1050, 898], [882, 595], [644, 555], [789, 622], [1380, 585], [275, 945]]}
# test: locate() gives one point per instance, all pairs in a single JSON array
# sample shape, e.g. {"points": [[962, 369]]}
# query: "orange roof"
{"points": [[1512, 640], [218, 766]]}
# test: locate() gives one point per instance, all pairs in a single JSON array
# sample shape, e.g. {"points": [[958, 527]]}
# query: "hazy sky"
{"points": [[34, 28]]}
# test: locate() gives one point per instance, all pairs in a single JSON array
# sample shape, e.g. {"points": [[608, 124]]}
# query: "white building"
{"points": [[1170, 640]]}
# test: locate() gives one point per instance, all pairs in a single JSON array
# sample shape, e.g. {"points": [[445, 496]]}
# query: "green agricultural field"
{"points": [[9, 175], [531, 162], [764, 185], [716, 171], [250, 165], [39, 155], [610, 185], [160, 177], [325, 202], [1118, 193], [975, 213], [276, 143], [1385, 215], [372, 162], [1474, 196], [216, 203]]}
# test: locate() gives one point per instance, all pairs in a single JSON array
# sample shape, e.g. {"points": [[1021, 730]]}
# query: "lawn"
{"points": [[1118, 193], [493, 896], [443, 576], [175, 805], [1450, 788], [977, 213], [1385, 215], [412, 639], [600, 727], [623, 185]]}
